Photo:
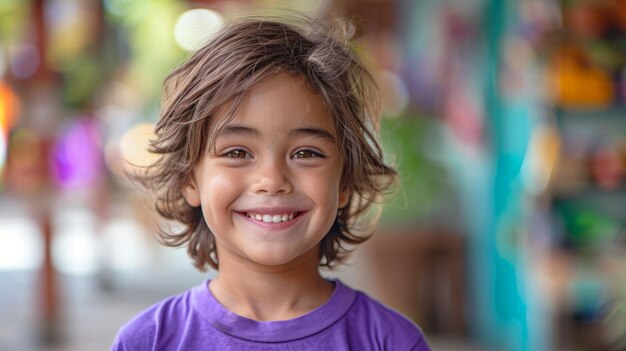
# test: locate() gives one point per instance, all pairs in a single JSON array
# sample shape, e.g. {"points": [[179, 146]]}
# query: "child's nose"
{"points": [[272, 178]]}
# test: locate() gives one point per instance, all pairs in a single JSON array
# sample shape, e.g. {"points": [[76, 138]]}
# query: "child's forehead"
{"points": [[271, 100]]}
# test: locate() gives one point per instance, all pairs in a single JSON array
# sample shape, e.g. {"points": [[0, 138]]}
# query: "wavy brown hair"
{"points": [[217, 77]]}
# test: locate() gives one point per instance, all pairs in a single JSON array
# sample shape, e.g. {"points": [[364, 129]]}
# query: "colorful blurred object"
{"points": [[589, 60], [8, 114], [73, 27], [77, 156], [575, 83], [26, 165], [606, 168], [148, 31], [587, 230]]}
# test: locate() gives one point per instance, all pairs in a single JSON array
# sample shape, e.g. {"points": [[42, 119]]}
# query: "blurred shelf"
{"points": [[611, 116], [614, 111], [592, 190], [592, 128], [609, 202]]}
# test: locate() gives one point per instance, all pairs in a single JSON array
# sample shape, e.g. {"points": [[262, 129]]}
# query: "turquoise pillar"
{"points": [[509, 120]]}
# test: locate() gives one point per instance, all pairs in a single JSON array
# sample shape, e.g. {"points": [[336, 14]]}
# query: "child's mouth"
{"points": [[276, 218]]}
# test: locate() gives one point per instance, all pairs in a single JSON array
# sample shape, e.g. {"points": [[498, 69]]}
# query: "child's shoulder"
{"points": [[159, 321], [386, 324], [380, 312]]}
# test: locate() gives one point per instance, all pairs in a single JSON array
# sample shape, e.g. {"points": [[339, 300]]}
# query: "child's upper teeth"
{"points": [[272, 218]]}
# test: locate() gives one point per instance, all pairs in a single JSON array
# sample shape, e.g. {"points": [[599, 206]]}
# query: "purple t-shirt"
{"points": [[195, 320]]}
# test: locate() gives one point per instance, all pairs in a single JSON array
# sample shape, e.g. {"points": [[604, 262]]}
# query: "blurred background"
{"points": [[507, 120]]}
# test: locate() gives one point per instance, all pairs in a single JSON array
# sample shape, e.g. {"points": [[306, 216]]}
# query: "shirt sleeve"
{"points": [[130, 338], [118, 345], [421, 345]]}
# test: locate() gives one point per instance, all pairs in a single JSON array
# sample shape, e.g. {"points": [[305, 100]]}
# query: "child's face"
{"points": [[278, 162]]}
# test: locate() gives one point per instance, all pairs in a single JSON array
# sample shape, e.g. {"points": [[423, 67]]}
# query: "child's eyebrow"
{"points": [[236, 130], [319, 133]]}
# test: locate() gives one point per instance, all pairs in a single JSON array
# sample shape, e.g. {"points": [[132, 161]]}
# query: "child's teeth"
{"points": [[271, 218]]}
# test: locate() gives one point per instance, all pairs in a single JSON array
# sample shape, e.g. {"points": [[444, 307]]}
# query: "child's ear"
{"points": [[191, 193], [344, 197]]}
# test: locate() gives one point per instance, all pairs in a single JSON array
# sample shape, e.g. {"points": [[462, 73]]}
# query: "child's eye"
{"points": [[237, 154], [306, 154]]}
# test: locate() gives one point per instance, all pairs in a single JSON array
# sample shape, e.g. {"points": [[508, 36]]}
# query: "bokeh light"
{"points": [[75, 248], [194, 27], [20, 244], [395, 93], [126, 243], [134, 147], [24, 60]]}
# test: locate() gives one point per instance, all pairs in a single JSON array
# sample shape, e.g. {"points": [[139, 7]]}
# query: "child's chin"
{"points": [[273, 259], [282, 254]]}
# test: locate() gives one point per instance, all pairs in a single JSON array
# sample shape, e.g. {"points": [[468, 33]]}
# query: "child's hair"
{"points": [[217, 77]]}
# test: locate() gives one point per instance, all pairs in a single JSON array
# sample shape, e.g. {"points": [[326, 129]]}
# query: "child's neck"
{"points": [[274, 293]]}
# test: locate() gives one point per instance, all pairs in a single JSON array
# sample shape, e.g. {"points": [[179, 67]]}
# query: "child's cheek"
{"points": [[224, 184], [220, 188]]}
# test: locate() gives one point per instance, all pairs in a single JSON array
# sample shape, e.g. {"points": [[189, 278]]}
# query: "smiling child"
{"points": [[269, 157]]}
